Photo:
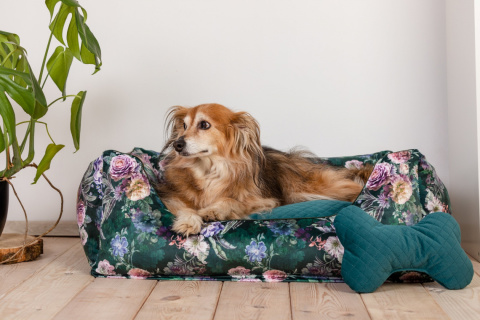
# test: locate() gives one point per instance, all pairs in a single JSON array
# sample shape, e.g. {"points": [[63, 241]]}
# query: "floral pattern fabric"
{"points": [[126, 229]]}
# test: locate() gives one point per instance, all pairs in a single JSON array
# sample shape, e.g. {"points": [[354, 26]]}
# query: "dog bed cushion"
{"points": [[126, 230], [308, 209], [374, 251]]}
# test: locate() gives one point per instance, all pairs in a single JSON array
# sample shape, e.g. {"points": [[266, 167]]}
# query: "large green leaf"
{"points": [[72, 40], [24, 75], [2, 141], [40, 106], [72, 3], [88, 51], [44, 165], [12, 37], [17, 60], [8, 114], [22, 96], [58, 67], [8, 43], [40, 101], [51, 4], [76, 118], [22, 65]]}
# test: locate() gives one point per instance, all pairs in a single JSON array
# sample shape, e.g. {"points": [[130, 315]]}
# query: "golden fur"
{"points": [[218, 170]]}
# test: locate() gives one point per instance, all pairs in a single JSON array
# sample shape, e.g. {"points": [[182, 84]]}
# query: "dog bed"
{"points": [[126, 230]]}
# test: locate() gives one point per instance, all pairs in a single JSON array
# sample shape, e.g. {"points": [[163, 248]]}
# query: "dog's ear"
{"points": [[244, 136], [173, 123]]}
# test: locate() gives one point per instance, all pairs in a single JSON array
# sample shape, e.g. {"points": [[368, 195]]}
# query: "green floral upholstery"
{"points": [[374, 251], [126, 229]]}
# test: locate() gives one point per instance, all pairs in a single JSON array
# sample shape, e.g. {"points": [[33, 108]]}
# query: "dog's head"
{"points": [[212, 129]]}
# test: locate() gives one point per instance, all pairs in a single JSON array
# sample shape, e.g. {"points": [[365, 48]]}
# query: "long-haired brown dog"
{"points": [[218, 170]]}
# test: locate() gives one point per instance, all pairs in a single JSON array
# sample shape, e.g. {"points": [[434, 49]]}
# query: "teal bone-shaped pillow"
{"points": [[374, 251]]}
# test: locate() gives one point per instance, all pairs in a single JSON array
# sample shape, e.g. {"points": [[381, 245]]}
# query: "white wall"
{"points": [[339, 77], [463, 21]]}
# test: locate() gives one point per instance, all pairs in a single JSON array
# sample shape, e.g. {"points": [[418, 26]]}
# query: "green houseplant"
{"points": [[20, 86]]}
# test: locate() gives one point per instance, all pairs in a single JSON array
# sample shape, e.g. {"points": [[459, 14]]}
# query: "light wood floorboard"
{"points": [[254, 300], [43, 295], [476, 265], [458, 304], [117, 299], [402, 301], [59, 286], [182, 300], [328, 300], [13, 275]]}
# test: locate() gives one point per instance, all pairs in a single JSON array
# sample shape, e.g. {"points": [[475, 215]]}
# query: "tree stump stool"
{"points": [[10, 243]]}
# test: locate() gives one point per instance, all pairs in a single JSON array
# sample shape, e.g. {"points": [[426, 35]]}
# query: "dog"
{"points": [[218, 170]]}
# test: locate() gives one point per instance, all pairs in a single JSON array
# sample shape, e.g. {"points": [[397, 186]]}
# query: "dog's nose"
{"points": [[179, 144]]}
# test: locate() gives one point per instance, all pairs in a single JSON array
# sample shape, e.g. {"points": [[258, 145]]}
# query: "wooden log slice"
{"points": [[10, 243]]}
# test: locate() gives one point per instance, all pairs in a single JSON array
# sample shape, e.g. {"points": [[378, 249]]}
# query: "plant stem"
{"points": [[24, 142], [17, 163], [31, 146], [46, 128], [71, 95], [45, 58], [46, 78], [7, 149]]}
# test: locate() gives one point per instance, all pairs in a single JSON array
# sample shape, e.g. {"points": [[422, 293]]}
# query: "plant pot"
{"points": [[3, 204]]}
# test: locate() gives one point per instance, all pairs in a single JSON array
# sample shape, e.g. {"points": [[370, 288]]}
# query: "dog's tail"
{"points": [[361, 175]]}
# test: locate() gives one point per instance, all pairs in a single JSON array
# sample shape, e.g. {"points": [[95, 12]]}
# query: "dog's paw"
{"points": [[213, 214], [188, 224], [209, 214]]}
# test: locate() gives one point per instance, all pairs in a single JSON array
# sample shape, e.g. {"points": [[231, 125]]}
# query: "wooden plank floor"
{"points": [[58, 286]]}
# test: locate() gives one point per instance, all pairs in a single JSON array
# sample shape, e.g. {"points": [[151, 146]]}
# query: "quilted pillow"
{"points": [[374, 251]]}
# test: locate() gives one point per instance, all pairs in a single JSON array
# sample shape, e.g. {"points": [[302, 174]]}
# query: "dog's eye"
{"points": [[204, 125], [184, 126]]}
